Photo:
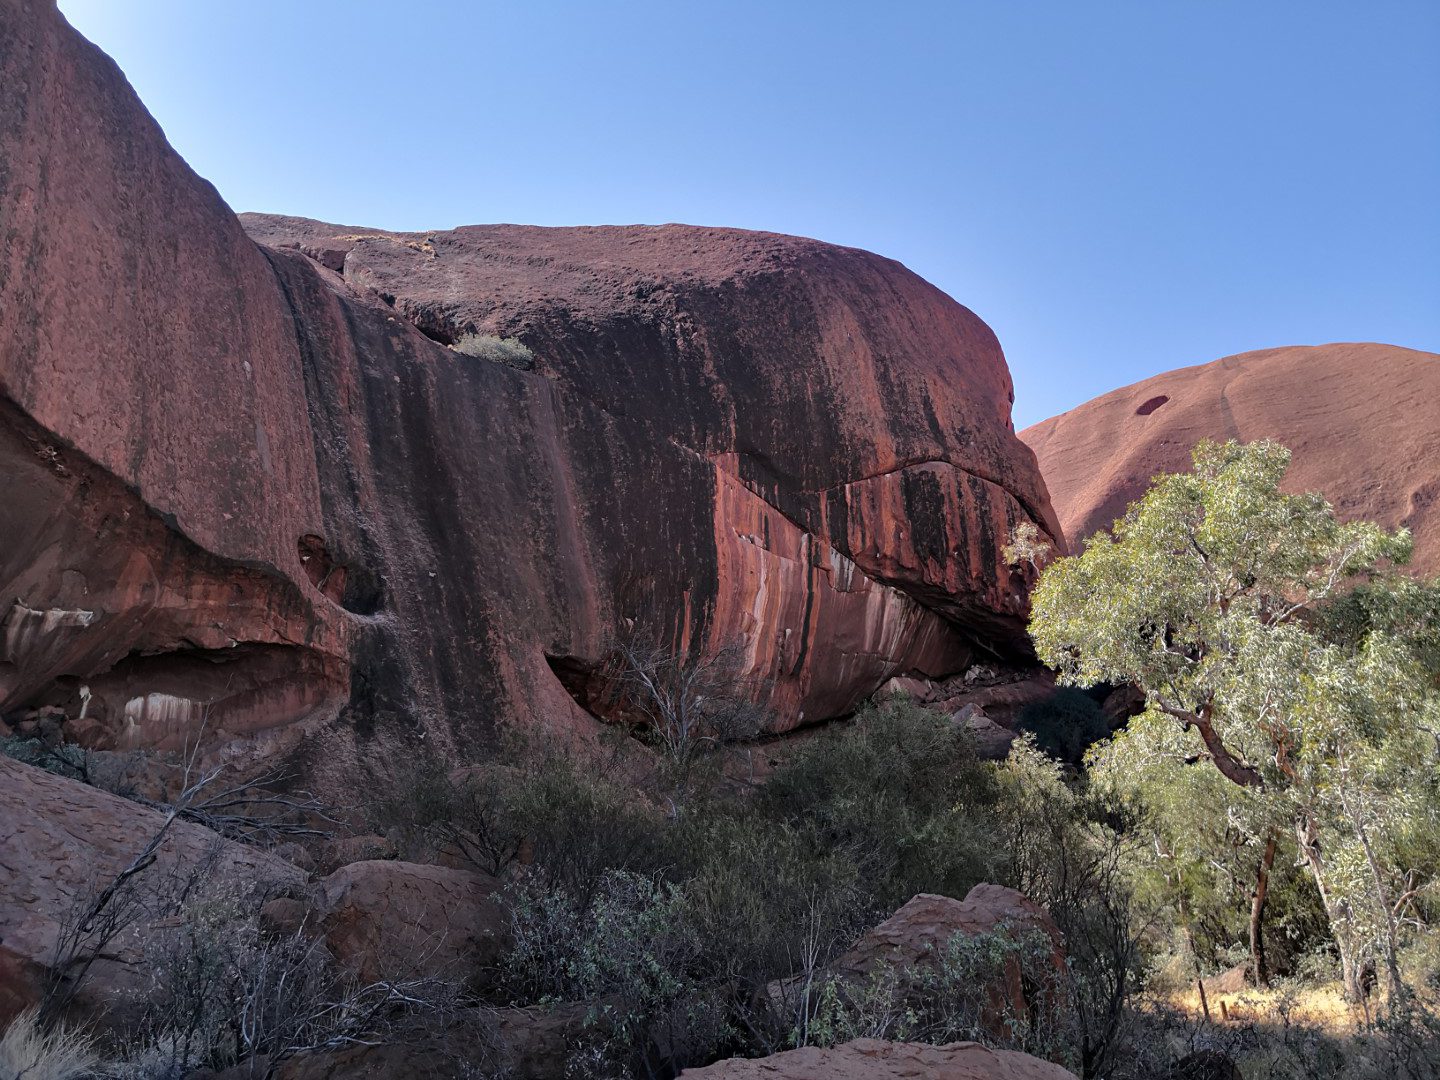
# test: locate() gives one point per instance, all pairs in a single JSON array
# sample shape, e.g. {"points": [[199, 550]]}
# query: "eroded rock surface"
{"points": [[61, 844], [1363, 421], [874, 1059], [255, 491]]}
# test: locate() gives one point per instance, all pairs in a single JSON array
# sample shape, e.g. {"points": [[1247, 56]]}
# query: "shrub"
{"points": [[901, 793], [508, 351], [950, 998], [470, 815], [632, 952]]}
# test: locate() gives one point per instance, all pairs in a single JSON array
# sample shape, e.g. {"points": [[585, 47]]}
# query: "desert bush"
{"points": [[471, 814], [950, 997], [633, 953], [509, 351], [1068, 849], [900, 792], [63, 759]]}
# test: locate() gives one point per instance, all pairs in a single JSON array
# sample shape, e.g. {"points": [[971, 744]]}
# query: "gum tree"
{"points": [[1211, 596]]}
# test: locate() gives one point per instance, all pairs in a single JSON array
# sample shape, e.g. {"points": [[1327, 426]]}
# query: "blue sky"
{"points": [[1118, 187]]}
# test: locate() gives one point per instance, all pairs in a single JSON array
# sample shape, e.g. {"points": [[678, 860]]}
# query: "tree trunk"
{"points": [[1257, 911], [1382, 903], [1340, 923]]}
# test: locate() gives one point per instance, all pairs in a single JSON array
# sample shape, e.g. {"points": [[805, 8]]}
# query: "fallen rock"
{"points": [[919, 934], [62, 843], [1235, 980], [873, 1059], [1362, 419], [1002, 696], [388, 920], [924, 925], [992, 742]]}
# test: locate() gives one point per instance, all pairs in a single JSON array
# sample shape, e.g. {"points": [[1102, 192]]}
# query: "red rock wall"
{"points": [[245, 490], [1363, 421]]}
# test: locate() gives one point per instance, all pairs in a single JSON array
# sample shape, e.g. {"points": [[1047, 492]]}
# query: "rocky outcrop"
{"points": [[1363, 421], [252, 487], [873, 1059], [399, 920], [62, 844]]}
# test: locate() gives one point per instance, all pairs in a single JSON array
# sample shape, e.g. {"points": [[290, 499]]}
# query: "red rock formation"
{"points": [[1363, 422], [874, 1059], [255, 489]]}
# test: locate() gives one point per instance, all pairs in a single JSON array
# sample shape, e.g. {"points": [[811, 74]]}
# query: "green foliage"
{"points": [[632, 952], [1219, 596], [949, 996], [62, 759], [719, 924], [901, 793], [1065, 724]]}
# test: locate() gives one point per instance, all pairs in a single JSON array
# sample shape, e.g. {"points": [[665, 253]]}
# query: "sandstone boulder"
{"points": [[393, 920], [61, 844], [1363, 421], [873, 1059], [924, 925], [253, 484]]}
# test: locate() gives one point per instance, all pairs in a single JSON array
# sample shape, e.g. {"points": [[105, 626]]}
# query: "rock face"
{"points": [[250, 486], [873, 1059], [1363, 421], [62, 842]]}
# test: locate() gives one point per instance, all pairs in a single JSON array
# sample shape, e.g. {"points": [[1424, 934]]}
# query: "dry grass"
{"points": [[30, 1051]]}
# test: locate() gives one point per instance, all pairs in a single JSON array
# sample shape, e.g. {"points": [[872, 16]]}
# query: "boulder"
{"points": [[992, 742], [62, 843], [250, 485], [387, 920], [1234, 980], [924, 925], [919, 933], [1363, 421], [873, 1059]]}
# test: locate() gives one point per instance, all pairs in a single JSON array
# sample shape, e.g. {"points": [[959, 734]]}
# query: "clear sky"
{"points": [[1118, 187]]}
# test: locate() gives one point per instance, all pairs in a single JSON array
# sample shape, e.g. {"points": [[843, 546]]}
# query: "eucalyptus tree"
{"points": [[1214, 595]]}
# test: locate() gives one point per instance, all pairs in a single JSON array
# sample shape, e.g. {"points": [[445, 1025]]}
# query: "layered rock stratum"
{"points": [[251, 490], [1363, 421]]}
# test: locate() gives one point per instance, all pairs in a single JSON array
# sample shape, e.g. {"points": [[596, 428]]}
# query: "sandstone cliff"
{"points": [[250, 486], [1363, 421]]}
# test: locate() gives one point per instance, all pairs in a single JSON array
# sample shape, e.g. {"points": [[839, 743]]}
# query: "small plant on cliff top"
{"points": [[508, 351]]}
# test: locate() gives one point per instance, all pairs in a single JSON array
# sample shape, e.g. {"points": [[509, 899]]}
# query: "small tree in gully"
{"points": [[1210, 595]]}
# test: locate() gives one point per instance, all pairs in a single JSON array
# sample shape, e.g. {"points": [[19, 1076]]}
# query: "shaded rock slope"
{"points": [[1363, 421], [249, 488]]}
